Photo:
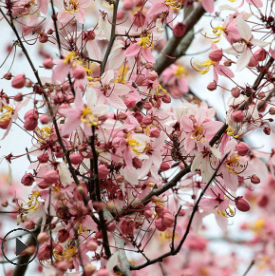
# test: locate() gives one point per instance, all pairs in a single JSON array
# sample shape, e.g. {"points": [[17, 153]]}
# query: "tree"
{"points": [[127, 160]]}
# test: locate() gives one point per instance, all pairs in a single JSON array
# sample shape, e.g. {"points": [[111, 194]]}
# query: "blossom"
{"points": [[72, 9], [85, 114]]}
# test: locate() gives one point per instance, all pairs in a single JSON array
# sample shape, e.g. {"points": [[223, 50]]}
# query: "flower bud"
{"points": [[130, 102], [235, 92], [104, 271], [267, 130], [30, 123], [255, 179], [51, 176], [139, 19], [166, 98], [253, 62], [63, 266], [45, 119], [179, 29], [48, 63], [168, 220], [120, 15], [128, 5], [63, 235], [164, 166], [43, 237], [137, 163], [262, 201], [212, 86], [147, 120], [152, 76], [43, 38], [7, 76], [44, 253], [4, 125], [91, 245], [260, 54], [30, 225], [272, 111], [43, 157], [242, 148], [89, 269], [102, 171], [27, 179], [147, 105], [238, 116], [32, 113], [76, 158], [111, 227], [79, 73], [148, 213], [216, 55], [18, 81], [18, 97], [159, 225], [154, 132], [242, 204]]}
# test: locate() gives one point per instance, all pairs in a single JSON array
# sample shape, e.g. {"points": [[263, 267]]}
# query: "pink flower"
{"points": [[143, 47], [72, 8], [85, 114], [111, 92]]}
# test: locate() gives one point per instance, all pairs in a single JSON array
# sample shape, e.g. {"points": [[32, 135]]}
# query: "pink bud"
{"points": [[253, 62], [152, 76], [30, 225], [43, 184], [267, 130], [148, 213], [63, 265], [27, 179], [79, 73], [18, 97], [30, 123], [43, 157], [139, 19], [242, 148], [212, 86], [260, 54], [120, 15], [235, 92], [154, 132], [51, 176], [103, 272], [272, 111], [63, 235], [255, 179], [168, 220], [159, 225], [91, 245], [32, 113], [179, 29], [102, 171], [43, 237], [43, 38], [238, 116], [45, 119], [128, 5], [262, 201], [48, 63], [165, 166], [111, 227], [76, 158], [242, 204], [130, 102], [166, 98], [147, 120], [44, 252], [18, 81], [216, 55], [4, 125], [147, 105], [137, 163], [7, 76], [127, 226]]}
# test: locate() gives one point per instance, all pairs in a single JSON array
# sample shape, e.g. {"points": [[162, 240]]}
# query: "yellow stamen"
{"points": [[146, 41], [181, 72], [5, 116], [72, 7], [174, 4], [206, 64], [88, 117]]}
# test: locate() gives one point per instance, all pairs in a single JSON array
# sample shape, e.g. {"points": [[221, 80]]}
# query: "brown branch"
{"points": [[164, 60], [249, 267], [112, 38]]}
